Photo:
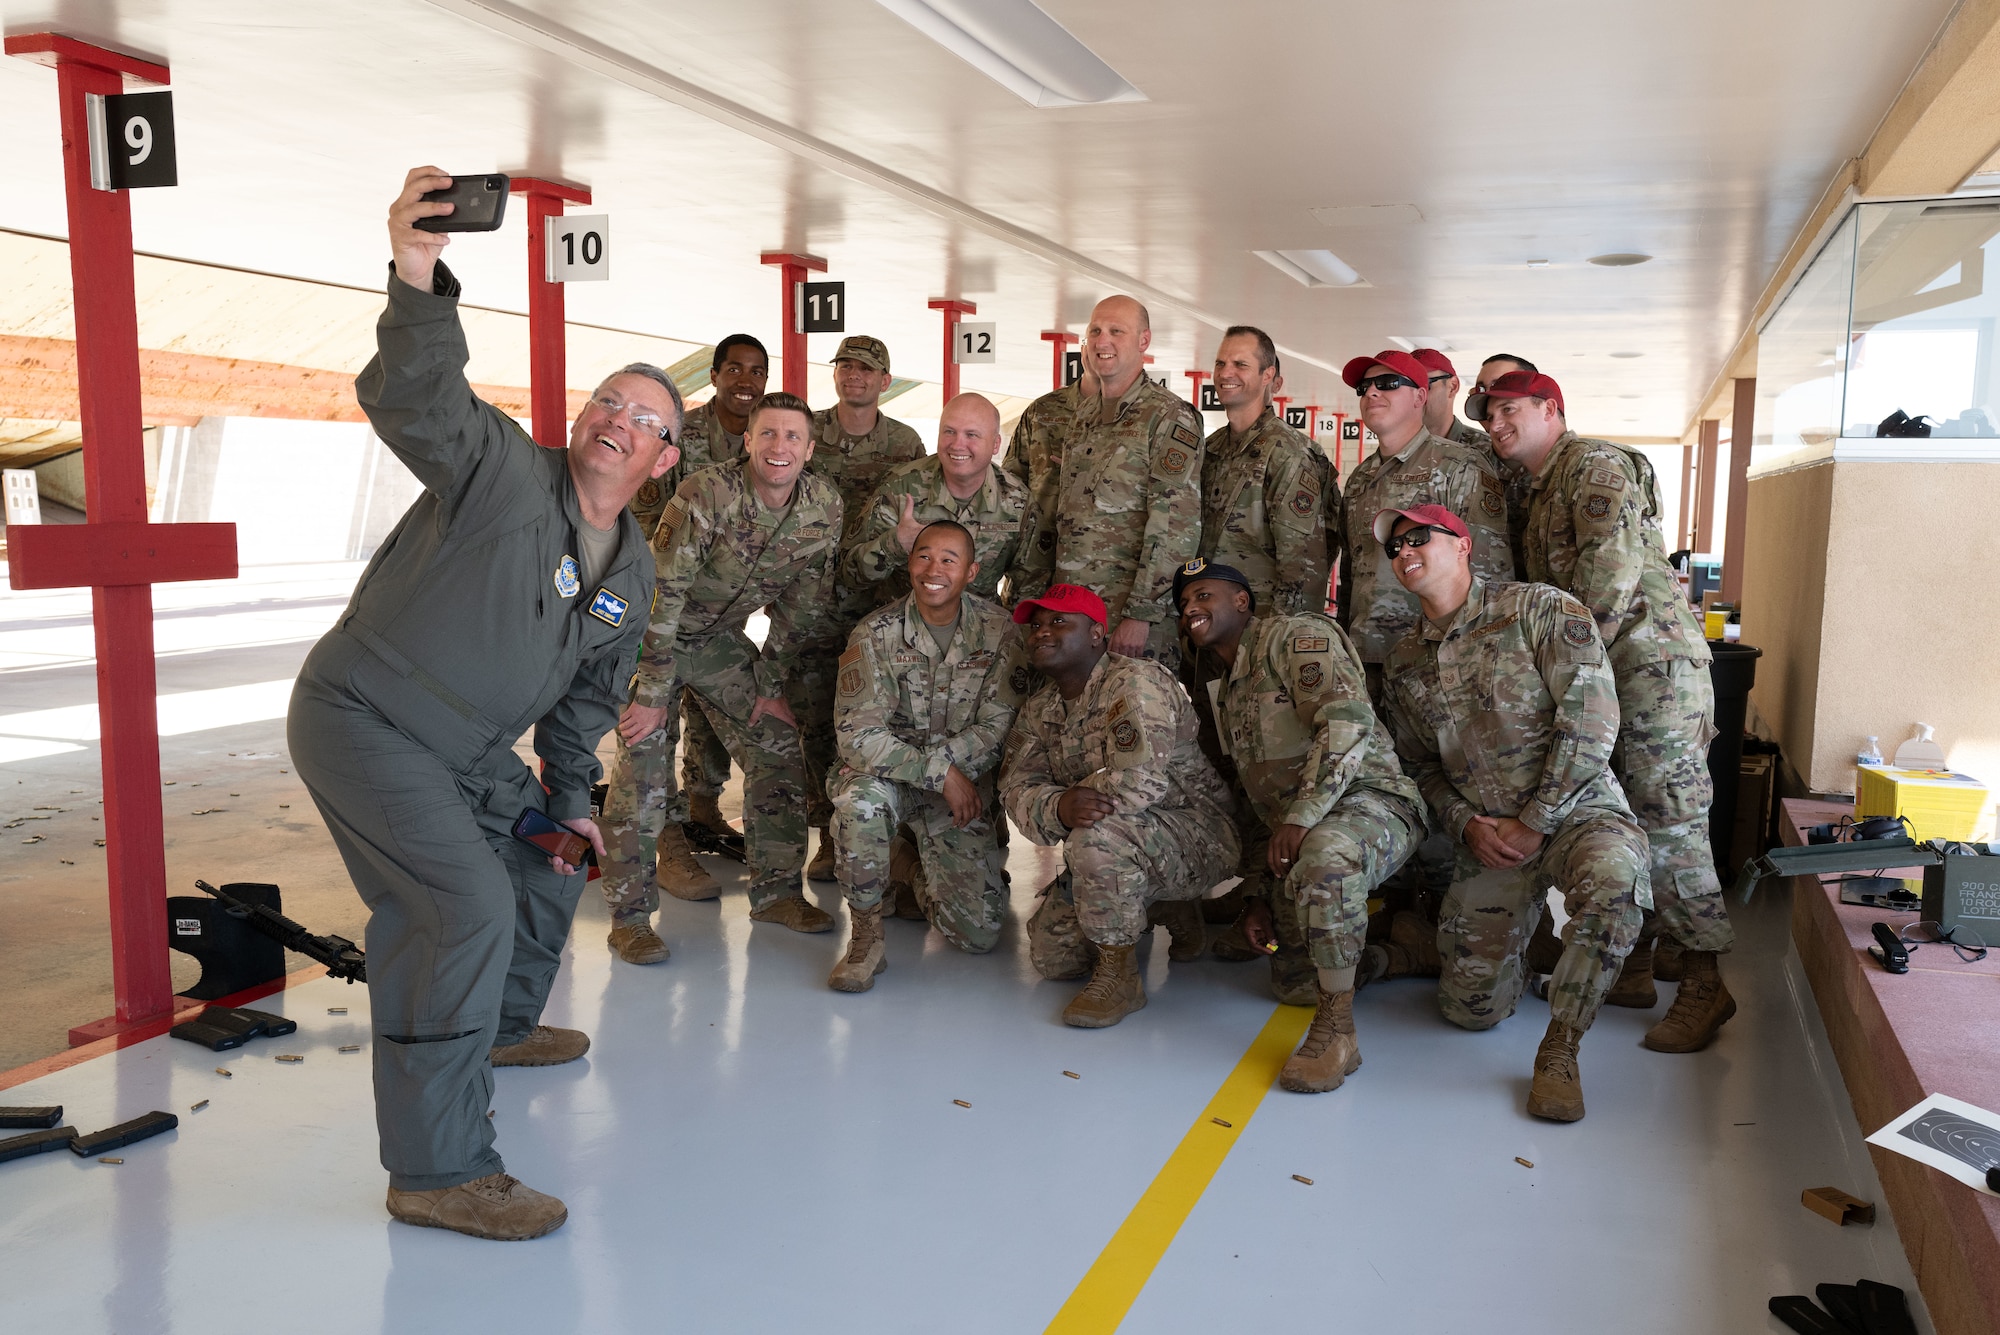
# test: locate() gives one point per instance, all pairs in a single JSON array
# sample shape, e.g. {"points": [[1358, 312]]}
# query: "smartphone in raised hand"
{"points": [[479, 204]]}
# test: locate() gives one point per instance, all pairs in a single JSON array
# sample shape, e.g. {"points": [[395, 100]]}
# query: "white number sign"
{"points": [[974, 343], [578, 248]]}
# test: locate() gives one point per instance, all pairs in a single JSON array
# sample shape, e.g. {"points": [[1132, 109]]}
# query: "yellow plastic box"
{"points": [[1941, 804]]}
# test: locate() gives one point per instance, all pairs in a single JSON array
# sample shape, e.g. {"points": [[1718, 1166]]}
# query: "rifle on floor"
{"points": [[342, 958], [705, 840]]}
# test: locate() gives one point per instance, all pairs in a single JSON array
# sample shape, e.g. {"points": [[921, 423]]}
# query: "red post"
{"points": [[1281, 400], [792, 339], [548, 367], [1060, 341], [127, 553], [1197, 377], [1312, 417], [952, 309]]}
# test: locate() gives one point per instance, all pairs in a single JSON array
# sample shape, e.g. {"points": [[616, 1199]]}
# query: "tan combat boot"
{"points": [[1187, 934], [545, 1045], [865, 955], [678, 873], [1330, 1053], [637, 943], [1634, 987], [1557, 1093], [1545, 948], [1667, 956], [496, 1206], [1412, 948], [1702, 1005], [821, 866], [1114, 991], [795, 912], [905, 867], [703, 809]]}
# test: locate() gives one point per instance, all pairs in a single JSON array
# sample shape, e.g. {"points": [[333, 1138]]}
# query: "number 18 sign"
{"points": [[577, 248]]}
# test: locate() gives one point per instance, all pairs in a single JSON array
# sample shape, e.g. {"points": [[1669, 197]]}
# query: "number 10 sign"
{"points": [[577, 248]]}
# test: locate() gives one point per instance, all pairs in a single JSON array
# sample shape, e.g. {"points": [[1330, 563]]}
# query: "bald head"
{"points": [[968, 438], [1115, 346]]}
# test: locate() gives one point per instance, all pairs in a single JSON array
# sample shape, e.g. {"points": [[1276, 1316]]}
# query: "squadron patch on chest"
{"points": [[609, 608], [1576, 631], [1311, 644], [1125, 735], [1310, 676], [568, 582]]}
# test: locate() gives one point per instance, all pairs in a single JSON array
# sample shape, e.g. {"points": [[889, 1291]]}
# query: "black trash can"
{"points": [[1734, 672]]}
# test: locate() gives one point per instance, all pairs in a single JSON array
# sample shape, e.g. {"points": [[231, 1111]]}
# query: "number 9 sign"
{"points": [[132, 141]]}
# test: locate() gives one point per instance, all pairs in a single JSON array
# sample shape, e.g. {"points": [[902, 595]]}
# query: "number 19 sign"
{"points": [[578, 248]]}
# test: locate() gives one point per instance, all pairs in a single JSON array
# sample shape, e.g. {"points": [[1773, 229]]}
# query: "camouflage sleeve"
{"points": [[1035, 561], [1611, 545], [1417, 749], [875, 554], [1330, 695], [1570, 657], [1141, 725], [977, 749], [1343, 554], [1294, 499], [1336, 538], [803, 618], [1173, 517], [680, 548], [1480, 498], [864, 709], [1028, 787]]}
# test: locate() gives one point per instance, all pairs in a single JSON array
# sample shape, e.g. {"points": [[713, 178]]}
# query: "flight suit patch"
{"points": [[1125, 735], [1310, 676], [568, 581], [1576, 631], [1311, 644], [609, 608]]}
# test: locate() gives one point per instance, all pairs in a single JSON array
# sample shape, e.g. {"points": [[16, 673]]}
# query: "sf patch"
{"points": [[1311, 644], [568, 581], [609, 608], [1492, 496], [1125, 735], [1576, 631], [1310, 676]]}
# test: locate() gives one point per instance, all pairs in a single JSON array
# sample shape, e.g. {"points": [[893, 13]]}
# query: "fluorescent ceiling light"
{"points": [[1018, 46], [1311, 268]]}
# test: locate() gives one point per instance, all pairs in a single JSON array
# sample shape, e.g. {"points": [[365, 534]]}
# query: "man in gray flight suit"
{"points": [[511, 596]]}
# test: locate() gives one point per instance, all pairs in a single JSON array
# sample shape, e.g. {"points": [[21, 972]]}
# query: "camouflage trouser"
{"points": [[1666, 712], [722, 684], [639, 798], [704, 761], [812, 703], [1362, 840], [959, 884], [1598, 861], [1116, 868]]}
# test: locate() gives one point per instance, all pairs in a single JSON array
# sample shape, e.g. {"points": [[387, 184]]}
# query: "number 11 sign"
{"points": [[578, 248]]}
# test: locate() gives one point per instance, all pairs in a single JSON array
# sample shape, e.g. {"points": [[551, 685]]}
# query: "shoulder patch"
{"points": [[851, 655], [1597, 507], [850, 680], [1310, 676], [1175, 460], [1304, 502], [1610, 478], [649, 493], [608, 607], [1185, 435], [1020, 680], [1577, 631], [1311, 644], [1117, 710], [1125, 735], [673, 516], [1492, 496]]}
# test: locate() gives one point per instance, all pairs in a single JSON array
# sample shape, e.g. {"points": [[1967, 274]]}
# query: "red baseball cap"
{"points": [[1063, 598], [1438, 363], [1402, 363], [1526, 385], [1422, 514]]}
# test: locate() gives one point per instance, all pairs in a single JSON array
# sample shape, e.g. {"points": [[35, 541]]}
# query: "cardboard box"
{"points": [[1940, 804]]}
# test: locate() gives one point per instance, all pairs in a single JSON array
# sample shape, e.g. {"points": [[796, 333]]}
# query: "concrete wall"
{"points": [[1871, 586]]}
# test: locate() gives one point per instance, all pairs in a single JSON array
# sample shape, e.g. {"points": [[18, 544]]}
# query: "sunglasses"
{"points": [[1415, 537], [1385, 382]]}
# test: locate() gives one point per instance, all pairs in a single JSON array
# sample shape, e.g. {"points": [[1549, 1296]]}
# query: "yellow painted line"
{"points": [[1109, 1288]]}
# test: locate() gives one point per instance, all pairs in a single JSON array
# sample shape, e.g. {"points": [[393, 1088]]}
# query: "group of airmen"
{"points": [[1115, 635]]}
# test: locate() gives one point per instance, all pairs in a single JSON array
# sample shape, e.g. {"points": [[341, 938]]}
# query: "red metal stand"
{"points": [[1060, 341], [548, 367], [1197, 377], [952, 309], [117, 553], [1281, 400], [1312, 417], [792, 341]]}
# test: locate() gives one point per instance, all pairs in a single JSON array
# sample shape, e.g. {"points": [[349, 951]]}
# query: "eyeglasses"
{"points": [[642, 421], [1439, 376], [1419, 536], [1385, 382], [1971, 952]]}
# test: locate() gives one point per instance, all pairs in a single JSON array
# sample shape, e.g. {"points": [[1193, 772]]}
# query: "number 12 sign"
{"points": [[577, 248], [132, 141], [974, 343]]}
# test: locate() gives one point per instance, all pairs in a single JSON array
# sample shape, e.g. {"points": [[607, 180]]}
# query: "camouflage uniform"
{"points": [[875, 562], [1308, 749], [1262, 511], [856, 465], [1511, 710], [722, 555], [905, 713], [1594, 531], [1515, 478], [1376, 611], [1130, 734], [1118, 505]]}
